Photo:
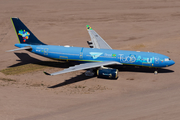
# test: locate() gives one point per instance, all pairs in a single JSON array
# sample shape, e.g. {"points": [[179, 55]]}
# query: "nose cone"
{"points": [[171, 62]]}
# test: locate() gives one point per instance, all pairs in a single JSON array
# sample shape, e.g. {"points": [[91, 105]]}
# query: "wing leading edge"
{"points": [[96, 40], [84, 66]]}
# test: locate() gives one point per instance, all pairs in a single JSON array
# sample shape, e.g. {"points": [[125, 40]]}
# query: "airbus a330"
{"points": [[92, 59]]}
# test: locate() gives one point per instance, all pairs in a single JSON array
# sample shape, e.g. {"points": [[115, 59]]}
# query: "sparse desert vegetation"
{"points": [[22, 69]]}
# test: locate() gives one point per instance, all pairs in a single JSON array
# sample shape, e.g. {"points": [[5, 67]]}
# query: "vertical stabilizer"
{"points": [[24, 34]]}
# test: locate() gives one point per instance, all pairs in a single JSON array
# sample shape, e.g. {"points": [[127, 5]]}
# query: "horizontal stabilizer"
{"points": [[24, 48]]}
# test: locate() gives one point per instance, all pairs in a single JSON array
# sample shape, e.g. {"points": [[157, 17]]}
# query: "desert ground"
{"points": [[138, 94]]}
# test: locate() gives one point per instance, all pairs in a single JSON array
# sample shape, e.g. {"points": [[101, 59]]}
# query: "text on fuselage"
{"points": [[133, 59]]}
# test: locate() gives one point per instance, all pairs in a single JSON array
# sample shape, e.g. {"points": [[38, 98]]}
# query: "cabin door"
{"points": [[81, 54]]}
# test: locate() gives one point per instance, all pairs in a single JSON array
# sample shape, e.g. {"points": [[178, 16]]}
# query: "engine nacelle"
{"points": [[107, 73]]}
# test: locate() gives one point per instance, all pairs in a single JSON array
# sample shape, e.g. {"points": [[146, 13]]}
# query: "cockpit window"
{"points": [[167, 59]]}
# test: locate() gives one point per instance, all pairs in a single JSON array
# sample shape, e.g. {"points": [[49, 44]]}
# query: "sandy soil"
{"points": [[146, 25]]}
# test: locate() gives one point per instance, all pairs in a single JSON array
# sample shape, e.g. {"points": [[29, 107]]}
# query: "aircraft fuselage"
{"points": [[82, 54]]}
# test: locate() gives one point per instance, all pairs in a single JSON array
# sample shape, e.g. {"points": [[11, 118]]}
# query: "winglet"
{"points": [[46, 73], [88, 27]]}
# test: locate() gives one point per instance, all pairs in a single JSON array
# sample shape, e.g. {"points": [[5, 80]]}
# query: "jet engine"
{"points": [[107, 73]]}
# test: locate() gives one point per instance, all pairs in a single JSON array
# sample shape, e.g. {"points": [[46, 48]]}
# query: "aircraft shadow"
{"points": [[27, 59], [141, 69], [82, 77], [24, 59], [78, 78]]}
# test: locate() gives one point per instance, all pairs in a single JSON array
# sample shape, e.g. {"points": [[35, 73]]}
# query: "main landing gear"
{"points": [[89, 73]]}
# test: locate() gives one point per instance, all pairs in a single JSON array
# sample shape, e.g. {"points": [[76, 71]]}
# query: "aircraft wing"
{"points": [[84, 66], [96, 40]]}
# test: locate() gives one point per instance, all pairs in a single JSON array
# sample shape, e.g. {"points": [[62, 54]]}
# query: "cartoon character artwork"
{"points": [[25, 35]]}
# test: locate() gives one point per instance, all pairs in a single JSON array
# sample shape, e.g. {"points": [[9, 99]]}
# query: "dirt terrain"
{"points": [[138, 94]]}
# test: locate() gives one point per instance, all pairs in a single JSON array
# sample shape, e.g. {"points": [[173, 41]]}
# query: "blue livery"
{"points": [[100, 54]]}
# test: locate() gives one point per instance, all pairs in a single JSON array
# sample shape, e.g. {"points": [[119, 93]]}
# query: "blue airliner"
{"points": [[92, 59]]}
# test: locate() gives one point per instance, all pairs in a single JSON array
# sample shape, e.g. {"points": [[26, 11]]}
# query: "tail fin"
{"points": [[24, 34]]}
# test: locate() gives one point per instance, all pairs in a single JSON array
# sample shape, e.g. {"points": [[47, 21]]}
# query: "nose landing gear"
{"points": [[156, 71]]}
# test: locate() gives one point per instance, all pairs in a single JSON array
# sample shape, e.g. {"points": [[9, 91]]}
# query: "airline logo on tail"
{"points": [[25, 35]]}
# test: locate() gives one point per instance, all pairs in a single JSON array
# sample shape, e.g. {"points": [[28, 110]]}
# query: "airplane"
{"points": [[96, 59]]}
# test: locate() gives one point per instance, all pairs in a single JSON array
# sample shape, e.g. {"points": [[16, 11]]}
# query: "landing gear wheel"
{"points": [[156, 71]]}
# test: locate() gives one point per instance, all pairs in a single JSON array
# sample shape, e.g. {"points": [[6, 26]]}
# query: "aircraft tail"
{"points": [[24, 35]]}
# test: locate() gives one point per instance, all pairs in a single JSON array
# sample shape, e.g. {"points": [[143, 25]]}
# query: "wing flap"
{"points": [[84, 66]]}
